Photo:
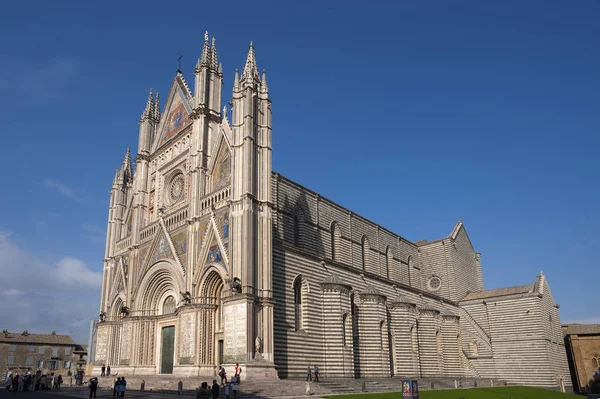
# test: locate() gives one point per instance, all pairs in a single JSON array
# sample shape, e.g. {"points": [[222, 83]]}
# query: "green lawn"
{"points": [[475, 393]]}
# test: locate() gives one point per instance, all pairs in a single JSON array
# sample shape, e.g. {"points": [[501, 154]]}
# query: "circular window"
{"points": [[176, 189], [434, 283]]}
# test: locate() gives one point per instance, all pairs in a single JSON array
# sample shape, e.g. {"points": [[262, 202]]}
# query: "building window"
{"points": [[54, 352], [298, 303], [12, 348], [335, 241], [40, 364], [296, 231], [344, 319], [11, 360], [31, 348], [68, 351], [169, 305], [388, 262], [29, 361], [41, 350], [474, 349], [52, 365], [66, 364], [434, 283], [365, 252]]}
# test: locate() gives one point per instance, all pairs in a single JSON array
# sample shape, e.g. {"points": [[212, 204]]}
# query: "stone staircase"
{"points": [[167, 385]]}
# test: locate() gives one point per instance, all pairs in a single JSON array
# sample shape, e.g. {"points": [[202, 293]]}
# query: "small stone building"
{"points": [[213, 259], [49, 353], [583, 352]]}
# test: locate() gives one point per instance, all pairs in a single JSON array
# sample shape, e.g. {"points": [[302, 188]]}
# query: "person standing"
{"points": [[227, 390], [234, 388], [223, 375], [93, 385], [308, 374], [316, 370], [108, 371], [215, 390], [123, 387], [116, 386], [103, 374]]}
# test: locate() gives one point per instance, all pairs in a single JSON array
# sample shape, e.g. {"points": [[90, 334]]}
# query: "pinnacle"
{"points": [[156, 113], [250, 68], [149, 106]]}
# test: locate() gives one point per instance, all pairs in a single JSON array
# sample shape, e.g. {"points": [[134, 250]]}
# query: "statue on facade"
{"points": [[186, 297], [124, 310], [102, 316], [257, 348], [235, 284]]}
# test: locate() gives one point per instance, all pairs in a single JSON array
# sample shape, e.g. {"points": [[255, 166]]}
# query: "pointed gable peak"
{"points": [[250, 68]]}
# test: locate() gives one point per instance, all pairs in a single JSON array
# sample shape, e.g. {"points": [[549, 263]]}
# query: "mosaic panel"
{"points": [[221, 176], [176, 119], [181, 245], [161, 251]]}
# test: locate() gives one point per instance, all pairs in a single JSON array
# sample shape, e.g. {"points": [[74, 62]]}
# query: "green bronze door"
{"points": [[167, 350]]}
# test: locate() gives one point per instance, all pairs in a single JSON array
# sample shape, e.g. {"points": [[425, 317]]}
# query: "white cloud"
{"points": [[41, 297], [61, 188]]}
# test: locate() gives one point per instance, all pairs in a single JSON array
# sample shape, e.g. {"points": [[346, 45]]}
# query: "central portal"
{"points": [[167, 350]]}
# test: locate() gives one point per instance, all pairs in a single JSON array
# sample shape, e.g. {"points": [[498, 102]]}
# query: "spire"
{"points": [[236, 80], [148, 111], [126, 167], [116, 179], [250, 68], [214, 63], [205, 56], [263, 83], [156, 113]]}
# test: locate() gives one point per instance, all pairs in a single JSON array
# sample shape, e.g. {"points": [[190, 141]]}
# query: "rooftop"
{"points": [[581, 329], [26, 338], [520, 289]]}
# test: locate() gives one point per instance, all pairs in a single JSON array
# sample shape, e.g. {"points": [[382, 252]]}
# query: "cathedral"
{"points": [[213, 259]]}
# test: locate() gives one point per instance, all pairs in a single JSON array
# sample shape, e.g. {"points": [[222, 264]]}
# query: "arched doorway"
{"points": [[212, 292]]}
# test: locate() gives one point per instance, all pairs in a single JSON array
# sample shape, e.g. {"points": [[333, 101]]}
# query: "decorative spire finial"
{"points": [[541, 273], [214, 63], [157, 107], [250, 68], [149, 105], [206, 36], [263, 83]]}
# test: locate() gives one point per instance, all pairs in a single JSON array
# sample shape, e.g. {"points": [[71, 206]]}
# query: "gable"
{"points": [[161, 250], [176, 115], [181, 245]]}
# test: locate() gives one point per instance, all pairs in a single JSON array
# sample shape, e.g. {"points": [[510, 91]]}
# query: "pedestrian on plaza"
{"points": [[103, 374], [308, 374], [116, 386], [227, 390], [215, 390], [108, 371], [93, 385], [123, 387], [223, 375], [316, 370], [234, 389]]}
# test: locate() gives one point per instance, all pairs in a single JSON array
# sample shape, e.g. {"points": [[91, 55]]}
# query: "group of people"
{"points": [[105, 371], [309, 374], [213, 392], [32, 382], [119, 387]]}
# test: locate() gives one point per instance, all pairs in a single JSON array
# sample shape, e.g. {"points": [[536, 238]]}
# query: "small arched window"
{"points": [[382, 333], [474, 349], [388, 262], [169, 305], [365, 252], [298, 324], [296, 231], [344, 319], [335, 241]]}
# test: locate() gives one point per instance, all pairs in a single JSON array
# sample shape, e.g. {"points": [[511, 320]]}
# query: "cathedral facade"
{"points": [[213, 259]]}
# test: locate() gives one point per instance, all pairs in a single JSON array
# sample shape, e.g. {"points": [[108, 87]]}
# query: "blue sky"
{"points": [[412, 114]]}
